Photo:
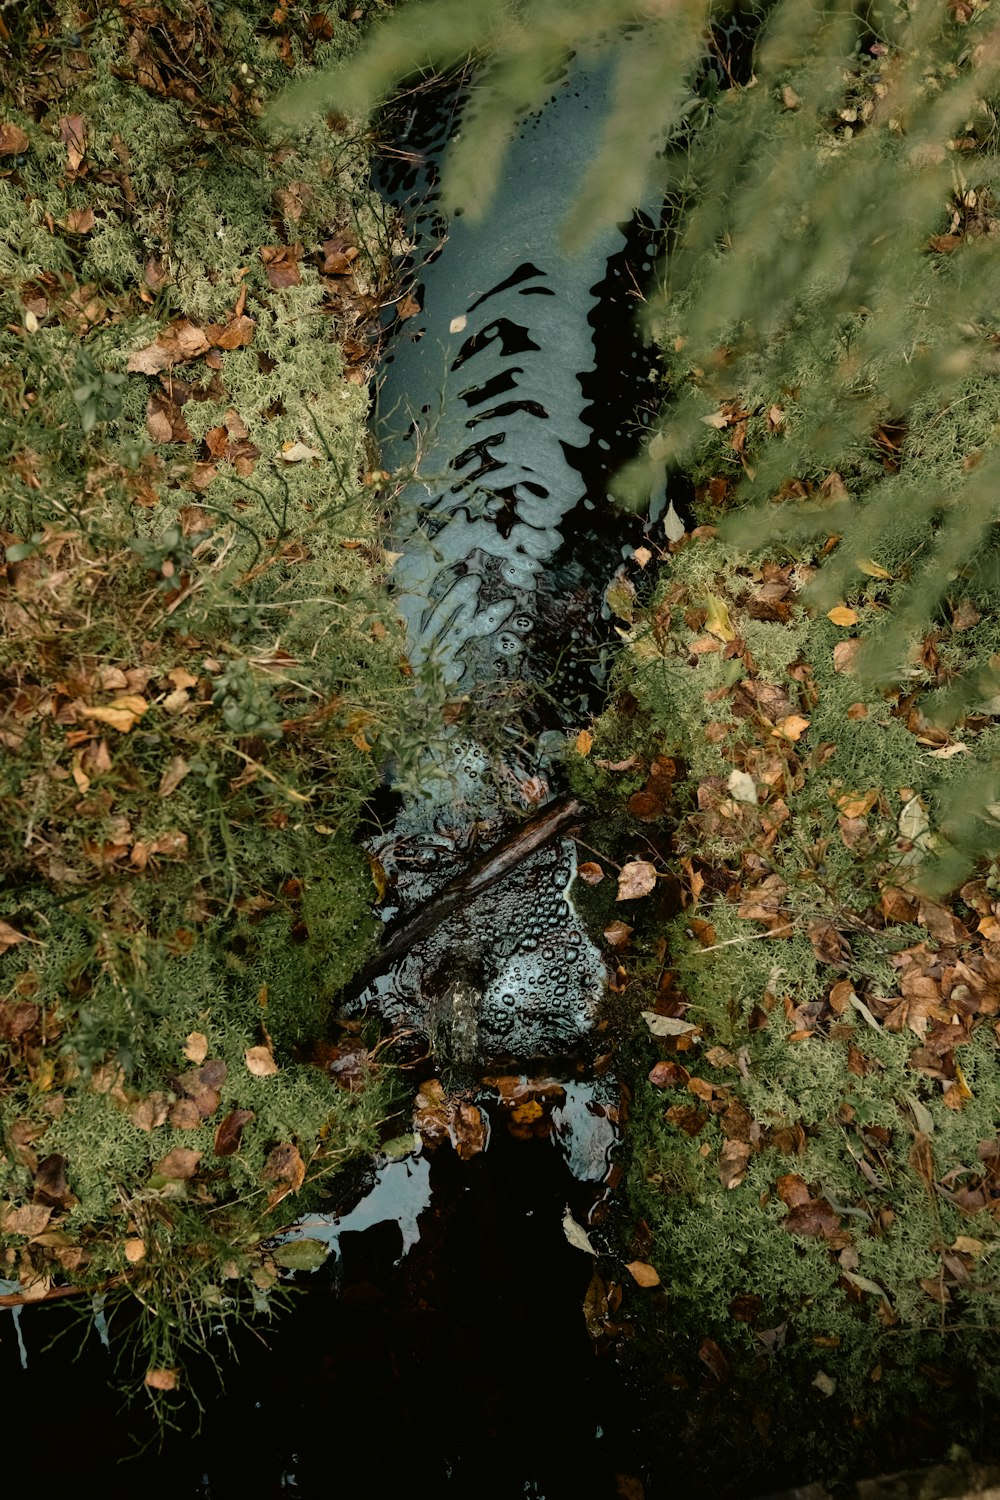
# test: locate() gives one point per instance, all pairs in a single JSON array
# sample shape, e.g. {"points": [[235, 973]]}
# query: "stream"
{"points": [[443, 1345]]}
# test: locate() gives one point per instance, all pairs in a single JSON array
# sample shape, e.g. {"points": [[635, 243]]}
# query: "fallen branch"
{"points": [[478, 877]]}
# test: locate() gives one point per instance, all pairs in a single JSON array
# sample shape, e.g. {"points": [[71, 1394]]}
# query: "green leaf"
{"points": [[302, 1255]]}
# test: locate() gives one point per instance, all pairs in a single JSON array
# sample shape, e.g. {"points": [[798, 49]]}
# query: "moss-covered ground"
{"points": [[796, 825], [199, 671]]}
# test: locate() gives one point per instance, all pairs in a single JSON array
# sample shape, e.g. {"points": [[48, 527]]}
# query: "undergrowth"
{"points": [[199, 673]]}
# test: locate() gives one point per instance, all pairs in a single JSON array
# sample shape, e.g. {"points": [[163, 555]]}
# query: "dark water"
{"points": [[443, 1351]]}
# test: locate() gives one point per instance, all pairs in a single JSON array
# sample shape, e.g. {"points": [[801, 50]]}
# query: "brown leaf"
{"points": [[816, 1219], [181, 340], [165, 421], [792, 1190], [31, 1219], [148, 1113], [50, 1185], [281, 264], [17, 1017], [260, 1062], [921, 1158], [73, 134], [643, 1273], [173, 775], [178, 1165], [714, 1360], [829, 945], [10, 937], [733, 1161], [590, 873], [636, 879], [790, 728], [646, 806], [236, 334], [230, 1132], [80, 220], [668, 1075], [13, 141], [469, 1130], [617, 934], [184, 1115], [845, 654], [162, 1380], [407, 307], [286, 1169]]}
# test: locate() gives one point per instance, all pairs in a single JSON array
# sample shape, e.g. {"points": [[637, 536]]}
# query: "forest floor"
{"points": [[199, 669]]}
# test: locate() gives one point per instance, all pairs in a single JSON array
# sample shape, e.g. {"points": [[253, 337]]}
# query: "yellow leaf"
{"points": [[790, 728], [841, 615], [963, 1087], [872, 569], [584, 742], [122, 714], [79, 774], [379, 880], [717, 619]]}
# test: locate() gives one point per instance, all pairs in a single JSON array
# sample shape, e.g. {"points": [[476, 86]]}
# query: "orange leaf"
{"points": [[584, 742], [643, 1273], [790, 728]]}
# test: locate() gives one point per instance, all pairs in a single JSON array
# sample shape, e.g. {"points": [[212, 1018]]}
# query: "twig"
{"points": [[486, 871]]}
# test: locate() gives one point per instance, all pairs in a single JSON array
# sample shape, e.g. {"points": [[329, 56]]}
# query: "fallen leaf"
{"points": [[123, 714], [576, 1234], [178, 1165], [286, 1169], [30, 1219], [301, 1255], [10, 937], [717, 621], [584, 742], [617, 934], [643, 1273], [50, 1184], [281, 265], [73, 134], [590, 873], [469, 1130], [80, 220], [13, 141], [162, 1380], [871, 569], [667, 1025], [298, 452], [742, 787], [135, 1250], [260, 1062], [173, 775], [947, 751], [791, 728], [636, 879], [230, 1132], [845, 654], [733, 1161], [407, 307], [841, 615]]}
